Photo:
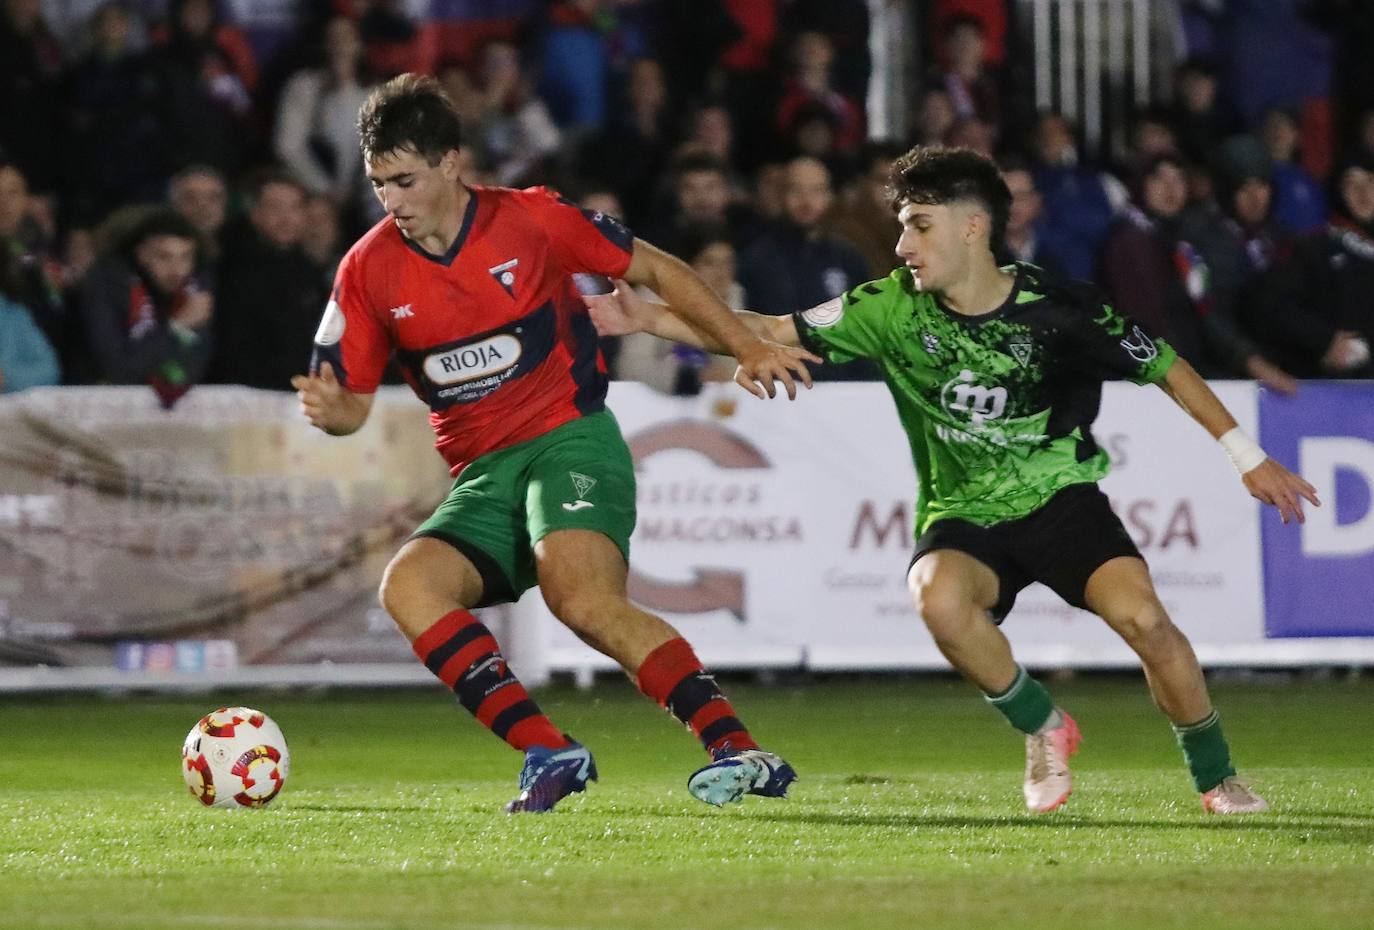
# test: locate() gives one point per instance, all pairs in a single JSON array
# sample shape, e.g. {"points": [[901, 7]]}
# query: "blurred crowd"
{"points": [[179, 178]]}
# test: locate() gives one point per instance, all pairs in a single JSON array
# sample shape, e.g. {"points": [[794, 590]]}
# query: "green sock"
{"points": [[1205, 750], [1026, 704]]}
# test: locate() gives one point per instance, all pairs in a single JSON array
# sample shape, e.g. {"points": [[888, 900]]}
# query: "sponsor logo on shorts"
{"points": [[582, 486]]}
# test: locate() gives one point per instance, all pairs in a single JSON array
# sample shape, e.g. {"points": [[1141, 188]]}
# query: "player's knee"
{"points": [[582, 611], [1144, 624], [402, 582], [944, 608]]}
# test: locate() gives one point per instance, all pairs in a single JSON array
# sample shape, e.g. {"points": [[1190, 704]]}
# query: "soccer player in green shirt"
{"points": [[997, 375]]}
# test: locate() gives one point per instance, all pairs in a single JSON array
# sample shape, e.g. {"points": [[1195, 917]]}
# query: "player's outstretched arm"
{"points": [[330, 406], [760, 362], [1265, 479], [623, 311]]}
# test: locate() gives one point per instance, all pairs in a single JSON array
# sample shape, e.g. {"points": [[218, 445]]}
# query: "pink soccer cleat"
{"points": [[1048, 779], [1233, 796]]}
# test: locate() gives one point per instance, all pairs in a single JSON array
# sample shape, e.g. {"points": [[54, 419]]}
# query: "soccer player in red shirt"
{"points": [[472, 289]]}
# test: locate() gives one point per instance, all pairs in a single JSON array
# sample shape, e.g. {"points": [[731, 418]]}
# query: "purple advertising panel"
{"points": [[1319, 577]]}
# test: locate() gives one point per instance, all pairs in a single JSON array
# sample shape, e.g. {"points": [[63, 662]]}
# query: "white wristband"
{"points": [[1245, 453]]}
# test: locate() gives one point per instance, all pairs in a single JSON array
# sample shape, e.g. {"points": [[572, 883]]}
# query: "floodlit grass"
{"points": [[908, 814]]}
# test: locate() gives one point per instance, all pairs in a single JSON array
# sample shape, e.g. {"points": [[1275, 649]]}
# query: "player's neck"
{"points": [[983, 290], [446, 231]]}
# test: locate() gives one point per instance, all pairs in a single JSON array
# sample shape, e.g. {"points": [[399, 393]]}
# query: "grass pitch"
{"points": [[908, 814]]}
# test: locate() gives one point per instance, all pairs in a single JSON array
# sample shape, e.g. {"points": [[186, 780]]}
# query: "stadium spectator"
{"points": [[31, 273], [1299, 205], [27, 358], [1200, 117], [797, 263], [514, 129], [392, 41], [935, 116], [965, 74], [630, 153], [203, 75], [861, 215], [112, 137], [146, 313], [974, 133], [1158, 276], [1317, 313], [1077, 207], [321, 239], [809, 86], [316, 136], [1027, 238], [575, 64], [270, 292], [30, 72], [846, 24], [199, 193], [702, 200]]}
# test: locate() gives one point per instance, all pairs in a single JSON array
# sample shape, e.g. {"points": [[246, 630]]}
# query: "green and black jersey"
{"points": [[997, 407]]}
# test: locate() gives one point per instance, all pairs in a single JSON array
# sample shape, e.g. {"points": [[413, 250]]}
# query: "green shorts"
{"points": [[576, 476]]}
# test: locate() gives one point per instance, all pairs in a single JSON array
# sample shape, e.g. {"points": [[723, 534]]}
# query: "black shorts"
{"points": [[1060, 545]]}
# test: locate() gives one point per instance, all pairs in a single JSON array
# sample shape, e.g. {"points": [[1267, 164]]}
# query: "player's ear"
{"points": [[449, 165]]}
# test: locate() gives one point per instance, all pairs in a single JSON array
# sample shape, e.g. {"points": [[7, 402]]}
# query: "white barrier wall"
{"points": [[225, 542]]}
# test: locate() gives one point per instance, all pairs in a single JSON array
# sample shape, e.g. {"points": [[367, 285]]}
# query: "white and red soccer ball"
{"points": [[235, 757]]}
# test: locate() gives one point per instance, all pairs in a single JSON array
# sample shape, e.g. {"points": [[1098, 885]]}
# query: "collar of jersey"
{"points": [[452, 253], [992, 314]]}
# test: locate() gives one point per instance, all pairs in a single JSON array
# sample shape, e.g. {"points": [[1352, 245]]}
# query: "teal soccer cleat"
{"points": [[734, 774]]}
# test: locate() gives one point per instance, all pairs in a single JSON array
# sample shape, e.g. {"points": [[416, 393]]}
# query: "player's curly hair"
{"points": [[409, 113], [940, 174]]}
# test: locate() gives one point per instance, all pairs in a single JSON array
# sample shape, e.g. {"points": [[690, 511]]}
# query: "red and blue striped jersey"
{"points": [[492, 335]]}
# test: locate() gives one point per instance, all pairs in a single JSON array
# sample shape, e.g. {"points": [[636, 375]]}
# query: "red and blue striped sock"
{"points": [[464, 655], [673, 676]]}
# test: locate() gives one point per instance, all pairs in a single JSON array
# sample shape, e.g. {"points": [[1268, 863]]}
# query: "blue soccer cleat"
{"points": [[734, 774], [550, 775]]}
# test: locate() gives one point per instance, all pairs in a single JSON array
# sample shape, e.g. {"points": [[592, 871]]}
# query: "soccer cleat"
{"points": [[550, 775], [734, 774], [1233, 796], [1048, 779]]}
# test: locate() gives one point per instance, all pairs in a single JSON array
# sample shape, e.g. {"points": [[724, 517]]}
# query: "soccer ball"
{"points": [[235, 757]]}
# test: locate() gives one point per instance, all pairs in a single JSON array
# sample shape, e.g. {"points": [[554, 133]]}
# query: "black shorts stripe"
{"points": [[513, 715], [447, 650]]}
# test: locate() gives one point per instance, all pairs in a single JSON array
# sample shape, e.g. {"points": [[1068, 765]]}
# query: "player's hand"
{"points": [[618, 313], [327, 404], [1271, 483], [761, 363]]}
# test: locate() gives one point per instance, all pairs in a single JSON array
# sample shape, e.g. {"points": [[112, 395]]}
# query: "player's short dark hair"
{"points": [[409, 113], [938, 174]]}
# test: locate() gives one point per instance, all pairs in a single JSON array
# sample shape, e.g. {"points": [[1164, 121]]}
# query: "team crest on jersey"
{"points": [[504, 274], [930, 343], [1140, 346], [1021, 351]]}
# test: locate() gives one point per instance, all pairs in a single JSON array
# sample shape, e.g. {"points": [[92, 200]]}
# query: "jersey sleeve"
{"points": [[1109, 345], [582, 240], [350, 337], [849, 326]]}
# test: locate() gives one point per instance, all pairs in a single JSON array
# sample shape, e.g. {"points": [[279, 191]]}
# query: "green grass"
{"points": [[908, 815]]}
